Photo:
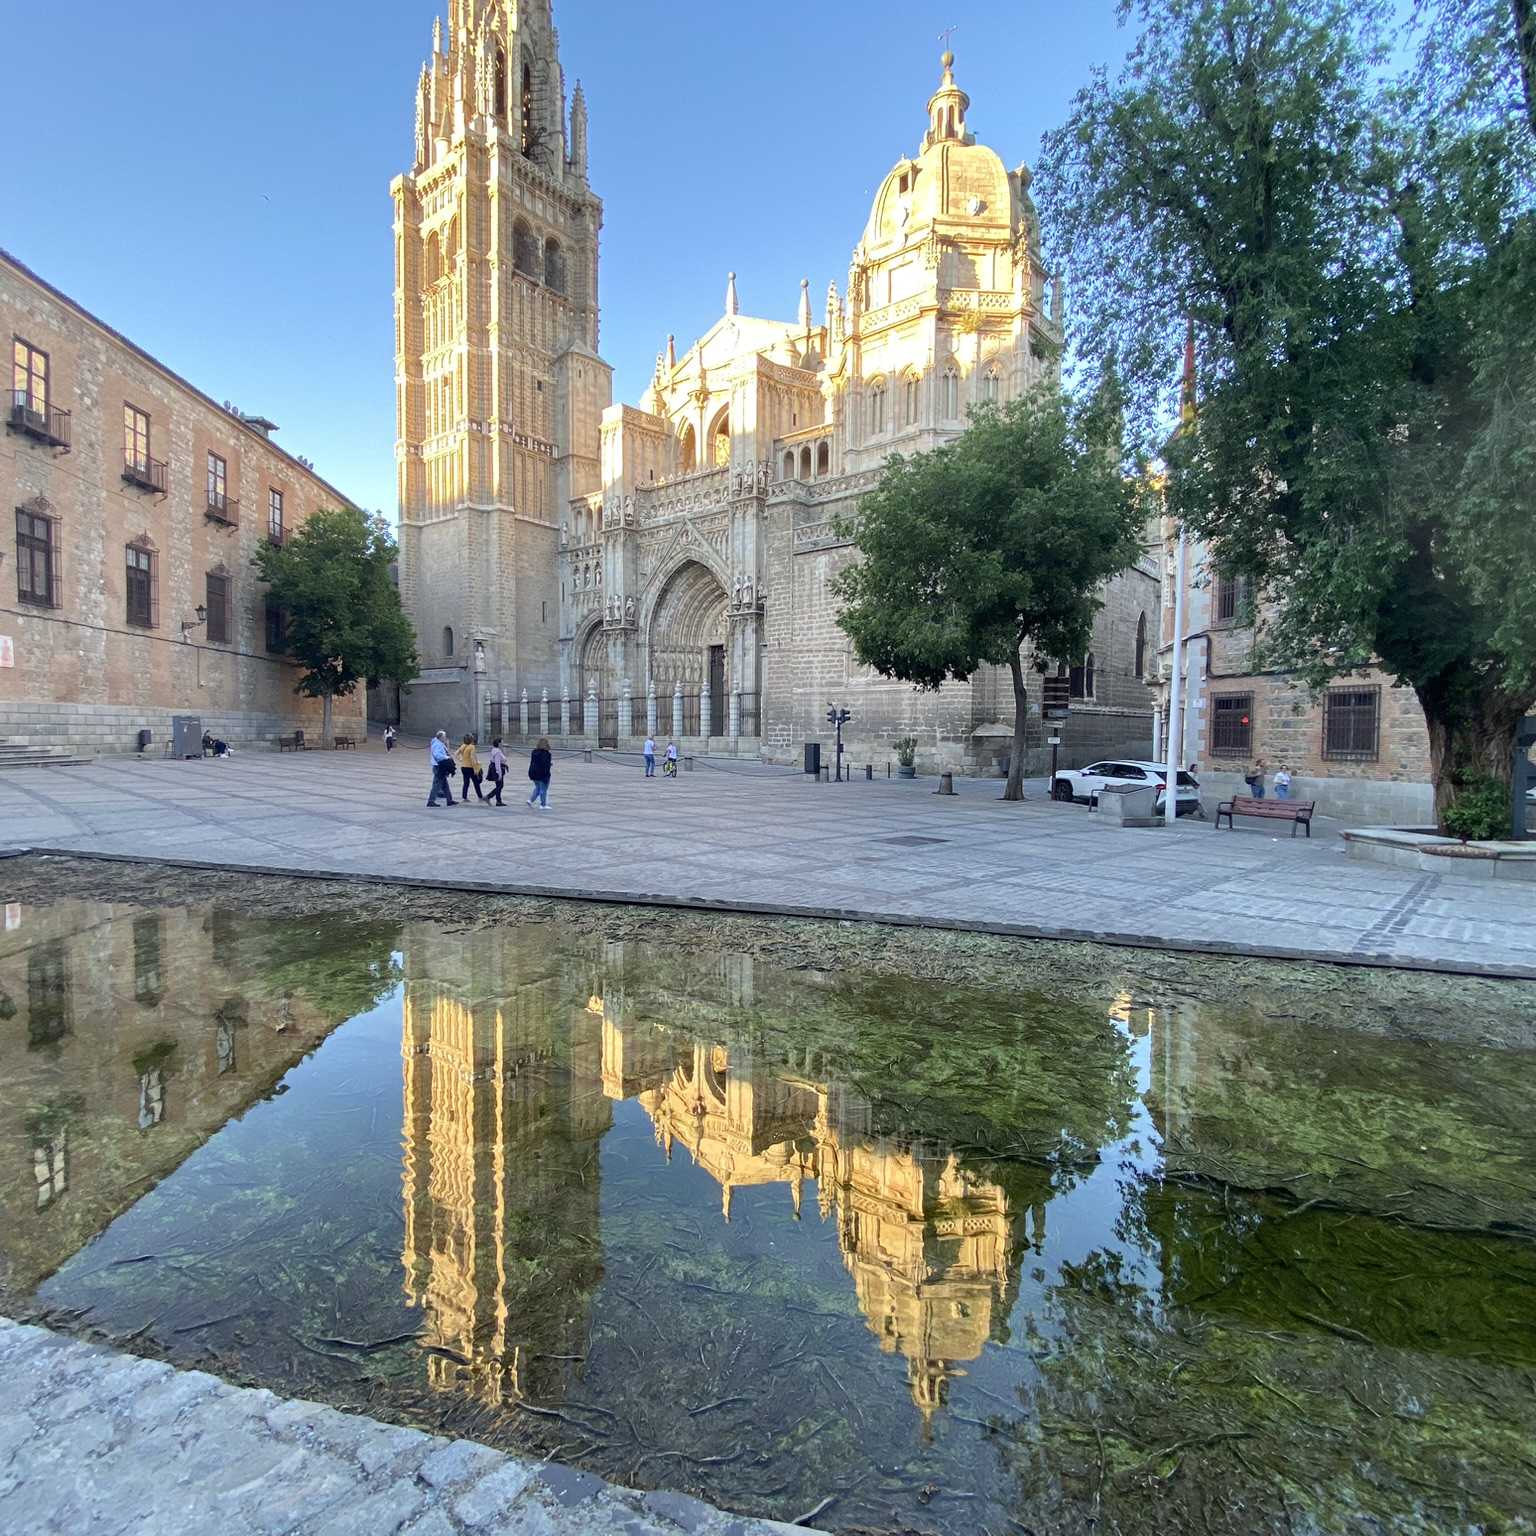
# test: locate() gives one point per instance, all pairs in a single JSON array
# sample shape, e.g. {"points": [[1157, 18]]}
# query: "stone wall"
{"points": [[84, 675]]}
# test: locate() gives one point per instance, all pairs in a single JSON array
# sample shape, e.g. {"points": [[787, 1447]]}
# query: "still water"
{"points": [[911, 1256]]}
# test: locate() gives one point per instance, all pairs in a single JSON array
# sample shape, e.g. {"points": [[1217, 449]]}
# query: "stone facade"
{"points": [[85, 663], [1359, 748], [597, 571], [499, 387]]}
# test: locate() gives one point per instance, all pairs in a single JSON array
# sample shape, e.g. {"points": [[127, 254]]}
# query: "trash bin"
{"points": [[813, 759], [1129, 805]]}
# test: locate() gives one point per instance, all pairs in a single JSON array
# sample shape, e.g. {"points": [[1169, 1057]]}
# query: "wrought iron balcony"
{"points": [[223, 509], [32, 416], [146, 473]]}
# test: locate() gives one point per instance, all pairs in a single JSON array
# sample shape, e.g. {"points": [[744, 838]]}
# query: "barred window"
{"points": [[1231, 597], [1081, 678], [142, 603], [37, 560], [1352, 724], [218, 608], [1231, 724]]}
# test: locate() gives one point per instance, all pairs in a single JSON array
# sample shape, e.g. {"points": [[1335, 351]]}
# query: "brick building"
{"points": [[127, 591], [1359, 747]]}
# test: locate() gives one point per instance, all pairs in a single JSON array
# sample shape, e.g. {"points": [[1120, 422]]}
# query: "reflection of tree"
{"points": [[341, 968], [1283, 1372]]}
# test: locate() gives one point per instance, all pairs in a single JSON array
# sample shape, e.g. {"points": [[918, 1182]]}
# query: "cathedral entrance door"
{"points": [[717, 721], [607, 720]]}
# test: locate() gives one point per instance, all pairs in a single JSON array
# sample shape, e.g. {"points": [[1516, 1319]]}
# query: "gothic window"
{"points": [[434, 258], [992, 385], [525, 249], [805, 463], [909, 400], [720, 440], [1141, 646], [527, 111], [447, 640], [789, 466], [554, 266], [823, 458], [1081, 678], [949, 393], [687, 454], [501, 85], [877, 409]]}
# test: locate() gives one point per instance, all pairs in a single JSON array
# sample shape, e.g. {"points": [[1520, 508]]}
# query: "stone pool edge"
{"points": [[1221, 948], [90, 1435]]}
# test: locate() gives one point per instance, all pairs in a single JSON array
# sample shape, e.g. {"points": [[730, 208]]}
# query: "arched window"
{"points": [[949, 393], [554, 266], [805, 462], [909, 401], [992, 385], [823, 458], [1141, 646], [501, 85], [1082, 678], [434, 258], [525, 248], [877, 409], [789, 466], [527, 110], [687, 451], [447, 640], [720, 440]]}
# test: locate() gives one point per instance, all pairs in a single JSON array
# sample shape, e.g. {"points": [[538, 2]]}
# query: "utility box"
{"points": [[186, 735], [1129, 805], [813, 759]]}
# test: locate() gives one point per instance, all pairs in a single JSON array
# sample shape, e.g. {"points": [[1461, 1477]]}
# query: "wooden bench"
{"points": [[345, 743], [294, 743], [1297, 812]]}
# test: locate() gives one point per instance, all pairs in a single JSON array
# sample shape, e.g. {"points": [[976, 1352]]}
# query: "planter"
{"points": [[906, 770]]}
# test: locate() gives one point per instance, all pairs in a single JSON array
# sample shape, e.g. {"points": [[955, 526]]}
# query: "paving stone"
{"points": [[380, 1514], [456, 1463], [690, 1513], [489, 1498]]}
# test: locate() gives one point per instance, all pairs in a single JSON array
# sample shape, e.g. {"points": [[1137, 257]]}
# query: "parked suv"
{"points": [[1083, 784]]}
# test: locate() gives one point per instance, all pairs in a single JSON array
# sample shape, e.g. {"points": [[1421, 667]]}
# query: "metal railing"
{"points": [[223, 509], [32, 415], [611, 726], [143, 471]]}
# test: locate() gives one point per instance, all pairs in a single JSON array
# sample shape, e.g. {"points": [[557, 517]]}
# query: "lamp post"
{"points": [[837, 719], [1175, 688]]}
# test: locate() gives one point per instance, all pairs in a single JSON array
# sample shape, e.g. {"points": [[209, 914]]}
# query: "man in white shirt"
{"points": [[650, 757]]}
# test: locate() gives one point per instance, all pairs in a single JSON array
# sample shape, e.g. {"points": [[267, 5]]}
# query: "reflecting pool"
{"points": [[912, 1256]]}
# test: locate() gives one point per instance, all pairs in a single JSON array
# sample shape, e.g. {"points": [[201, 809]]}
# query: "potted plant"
{"points": [[906, 757]]}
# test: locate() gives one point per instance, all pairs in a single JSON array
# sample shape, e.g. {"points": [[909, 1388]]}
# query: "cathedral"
{"points": [[593, 571]]}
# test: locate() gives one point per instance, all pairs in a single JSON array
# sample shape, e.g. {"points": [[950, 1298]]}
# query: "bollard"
{"points": [[688, 763], [586, 754], [869, 770], [946, 784], [824, 776]]}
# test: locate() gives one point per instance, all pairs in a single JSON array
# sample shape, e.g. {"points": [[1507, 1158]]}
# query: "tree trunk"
{"points": [[1472, 728], [1015, 786], [326, 739]]}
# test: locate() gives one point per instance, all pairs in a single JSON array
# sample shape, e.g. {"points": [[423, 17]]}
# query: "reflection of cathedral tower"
{"points": [[503, 1112], [929, 1243], [499, 388]]}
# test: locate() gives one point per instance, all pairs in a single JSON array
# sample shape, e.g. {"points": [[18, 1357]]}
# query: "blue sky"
{"points": [[213, 178]]}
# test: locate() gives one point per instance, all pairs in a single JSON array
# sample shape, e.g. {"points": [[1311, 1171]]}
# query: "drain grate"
{"points": [[913, 842]]}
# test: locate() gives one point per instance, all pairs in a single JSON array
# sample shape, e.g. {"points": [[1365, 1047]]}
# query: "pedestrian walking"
{"points": [[1283, 783], [539, 766], [442, 770], [389, 738], [671, 758], [1254, 778], [469, 767], [650, 757], [497, 772]]}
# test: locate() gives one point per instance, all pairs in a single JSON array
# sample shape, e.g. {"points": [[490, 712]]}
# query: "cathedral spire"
{"points": [[731, 306], [671, 351], [804, 318], [579, 132], [947, 107]]}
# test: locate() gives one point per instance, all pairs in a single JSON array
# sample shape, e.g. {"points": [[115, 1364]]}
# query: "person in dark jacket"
{"points": [[539, 766]]}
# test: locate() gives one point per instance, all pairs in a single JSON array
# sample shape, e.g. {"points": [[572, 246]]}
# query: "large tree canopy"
{"points": [[344, 622], [1003, 536], [1358, 253]]}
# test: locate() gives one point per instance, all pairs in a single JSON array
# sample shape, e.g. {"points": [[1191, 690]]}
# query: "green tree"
{"points": [[1357, 250], [344, 624], [1002, 537]]}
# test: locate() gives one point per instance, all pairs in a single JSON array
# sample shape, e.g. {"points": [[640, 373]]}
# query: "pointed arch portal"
{"points": [[687, 641]]}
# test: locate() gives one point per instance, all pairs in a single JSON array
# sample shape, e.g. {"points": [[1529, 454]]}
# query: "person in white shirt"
{"points": [[672, 759], [650, 757], [1283, 783]]}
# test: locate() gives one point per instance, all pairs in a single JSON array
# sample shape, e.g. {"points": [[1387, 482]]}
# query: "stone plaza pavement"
{"points": [[739, 835], [94, 1443]]}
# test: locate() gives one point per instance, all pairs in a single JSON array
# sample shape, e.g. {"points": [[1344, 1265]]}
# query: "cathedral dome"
{"points": [[954, 180]]}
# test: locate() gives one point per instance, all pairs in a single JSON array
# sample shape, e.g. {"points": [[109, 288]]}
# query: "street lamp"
{"points": [[188, 625]]}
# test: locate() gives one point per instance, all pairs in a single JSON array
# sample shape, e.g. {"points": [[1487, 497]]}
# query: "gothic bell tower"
{"points": [[499, 388]]}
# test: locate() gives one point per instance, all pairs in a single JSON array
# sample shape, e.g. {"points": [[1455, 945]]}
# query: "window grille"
{"points": [[1231, 724], [1352, 724]]}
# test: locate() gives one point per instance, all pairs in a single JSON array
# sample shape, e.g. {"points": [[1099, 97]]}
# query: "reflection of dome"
{"points": [[953, 179]]}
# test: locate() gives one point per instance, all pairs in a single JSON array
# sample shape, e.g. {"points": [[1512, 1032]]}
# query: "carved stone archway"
{"points": [[688, 626]]}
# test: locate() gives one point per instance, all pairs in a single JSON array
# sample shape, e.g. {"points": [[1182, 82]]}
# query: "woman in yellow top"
{"points": [[470, 766]]}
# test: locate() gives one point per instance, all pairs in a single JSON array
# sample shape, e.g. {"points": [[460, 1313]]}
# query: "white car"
{"points": [[1084, 784]]}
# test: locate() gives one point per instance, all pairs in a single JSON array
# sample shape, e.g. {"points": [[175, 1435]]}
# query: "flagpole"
{"points": [[1175, 701]]}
